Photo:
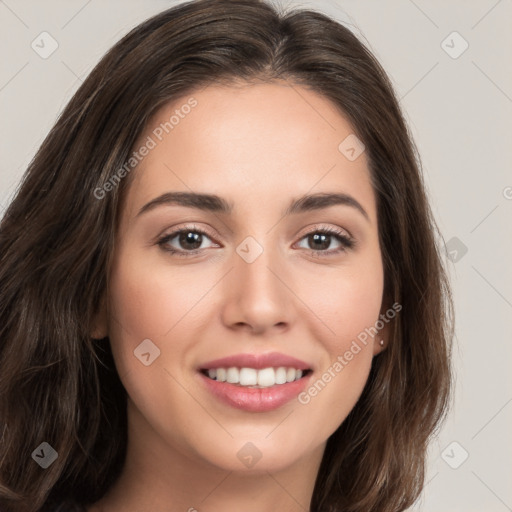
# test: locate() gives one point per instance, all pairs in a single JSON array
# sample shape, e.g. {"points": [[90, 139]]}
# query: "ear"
{"points": [[382, 338], [99, 327]]}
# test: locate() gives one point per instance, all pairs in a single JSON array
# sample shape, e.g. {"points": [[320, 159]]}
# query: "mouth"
{"points": [[255, 382], [255, 390]]}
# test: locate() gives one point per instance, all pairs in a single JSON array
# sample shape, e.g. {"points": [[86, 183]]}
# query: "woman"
{"points": [[220, 282]]}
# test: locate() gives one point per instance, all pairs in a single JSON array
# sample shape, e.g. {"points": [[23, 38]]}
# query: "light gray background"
{"points": [[459, 111]]}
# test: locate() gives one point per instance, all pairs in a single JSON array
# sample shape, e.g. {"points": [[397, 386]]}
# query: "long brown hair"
{"points": [[58, 385]]}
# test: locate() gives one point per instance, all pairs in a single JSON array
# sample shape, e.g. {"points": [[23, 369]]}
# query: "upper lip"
{"points": [[257, 361]]}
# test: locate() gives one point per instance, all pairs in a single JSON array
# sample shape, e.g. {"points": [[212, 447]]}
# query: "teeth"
{"points": [[266, 377], [281, 375], [233, 375], [251, 377], [248, 377]]}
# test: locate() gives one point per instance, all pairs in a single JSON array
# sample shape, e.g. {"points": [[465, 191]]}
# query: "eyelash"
{"points": [[346, 242]]}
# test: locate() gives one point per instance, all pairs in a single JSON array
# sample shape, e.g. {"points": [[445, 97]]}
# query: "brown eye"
{"points": [[323, 240], [185, 242]]}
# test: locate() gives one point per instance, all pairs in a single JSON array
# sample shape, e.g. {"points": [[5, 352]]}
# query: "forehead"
{"points": [[251, 141]]}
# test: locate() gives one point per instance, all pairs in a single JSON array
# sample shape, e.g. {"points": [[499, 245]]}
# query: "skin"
{"points": [[259, 146]]}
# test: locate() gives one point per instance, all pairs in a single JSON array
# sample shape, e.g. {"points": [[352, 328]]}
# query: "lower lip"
{"points": [[255, 399]]}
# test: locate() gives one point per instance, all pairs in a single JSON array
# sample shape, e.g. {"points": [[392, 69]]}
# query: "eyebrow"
{"points": [[217, 204]]}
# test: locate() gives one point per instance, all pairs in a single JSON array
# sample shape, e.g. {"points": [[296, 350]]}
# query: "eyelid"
{"points": [[310, 229], [328, 228], [187, 227]]}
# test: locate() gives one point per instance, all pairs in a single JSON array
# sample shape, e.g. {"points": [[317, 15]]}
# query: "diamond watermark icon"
{"points": [[147, 352], [455, 249], [454, 455], [44, 45], [454, 45], [351, 147], [249, 249], [44, 455], [249, 454]]}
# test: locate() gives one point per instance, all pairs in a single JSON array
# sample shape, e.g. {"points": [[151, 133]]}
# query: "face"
{"points": [[252, 275]]}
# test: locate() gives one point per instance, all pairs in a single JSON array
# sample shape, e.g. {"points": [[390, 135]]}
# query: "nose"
{"points": [[257, 297]]}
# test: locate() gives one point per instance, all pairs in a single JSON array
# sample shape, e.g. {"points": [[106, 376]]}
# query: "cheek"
{"points": [[358, 304], [349, 312], [140, 309], [152, 301], [149, 301], [346, 300]]}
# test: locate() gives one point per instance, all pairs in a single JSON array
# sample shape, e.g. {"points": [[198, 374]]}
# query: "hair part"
{"points": [[59, 385]]}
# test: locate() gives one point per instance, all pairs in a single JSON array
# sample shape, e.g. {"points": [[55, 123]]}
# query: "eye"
{"points": [[185, 241], [320, 240], [189, 241]]}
